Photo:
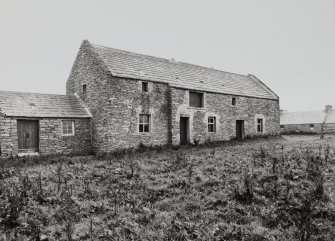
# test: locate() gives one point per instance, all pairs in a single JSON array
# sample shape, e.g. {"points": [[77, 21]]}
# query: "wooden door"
{"points": [[28, 135], [183, 130], [239, 129]]}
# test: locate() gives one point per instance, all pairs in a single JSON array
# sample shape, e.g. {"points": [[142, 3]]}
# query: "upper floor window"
{"points": [[233, 101], [211, 124], [282, 126], [196, 99], [68, 128], [145, 87], [260, 126], [144, 123], [84, 89]]}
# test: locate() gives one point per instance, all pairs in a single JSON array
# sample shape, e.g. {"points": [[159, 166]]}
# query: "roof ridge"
{"points": [[32, 93], [306, 111], [169, 60]]}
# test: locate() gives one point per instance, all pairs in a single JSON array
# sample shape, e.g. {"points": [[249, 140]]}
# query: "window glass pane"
{"points": [[146, 128], [145, 118], [141, 118], [141, 128]]}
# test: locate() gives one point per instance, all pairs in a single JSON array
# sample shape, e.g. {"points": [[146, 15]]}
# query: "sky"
{"points": [[288, 44]]}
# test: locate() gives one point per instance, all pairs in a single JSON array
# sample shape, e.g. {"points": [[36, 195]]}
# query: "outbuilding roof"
{"points": [[307, 117], [20, 104], [179, 74]]}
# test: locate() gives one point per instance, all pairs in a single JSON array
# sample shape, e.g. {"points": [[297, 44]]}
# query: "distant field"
{"points": [[275, 189]]}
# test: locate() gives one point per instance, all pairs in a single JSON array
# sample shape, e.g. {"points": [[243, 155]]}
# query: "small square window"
{"points": [[260, 125], [211, 124], [233, 101], [282, 126], [144, 86], [144, 123], [68, 128], [311, 125], [196, 99]]}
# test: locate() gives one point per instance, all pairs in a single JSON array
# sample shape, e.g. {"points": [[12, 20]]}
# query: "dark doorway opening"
{"points": [[184, 136], [239, 129], [28, 136]]}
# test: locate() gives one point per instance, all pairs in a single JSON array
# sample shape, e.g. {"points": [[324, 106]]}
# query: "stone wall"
{"points": [[220, 106], [115, 104], [8, 136], [89, 70], [53, 142], [51, 139]]}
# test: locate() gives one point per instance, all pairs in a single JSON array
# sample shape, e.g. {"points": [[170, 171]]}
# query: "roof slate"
{"points": [[181, 75], [20, 104]]}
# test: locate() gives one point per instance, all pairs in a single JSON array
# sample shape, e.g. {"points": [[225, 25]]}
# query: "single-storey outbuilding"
{"points": [[312, 122], [43, 123]]}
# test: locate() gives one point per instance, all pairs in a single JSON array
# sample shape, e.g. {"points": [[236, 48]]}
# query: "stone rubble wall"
{"points": [[51, 140]]}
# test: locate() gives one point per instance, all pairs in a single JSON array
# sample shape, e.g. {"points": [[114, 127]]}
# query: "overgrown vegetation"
{"points": [[275, 189]]}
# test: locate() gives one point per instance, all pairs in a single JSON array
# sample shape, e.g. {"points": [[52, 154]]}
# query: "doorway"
{"points": [[184, 133], [239, 129], [28, 136]]}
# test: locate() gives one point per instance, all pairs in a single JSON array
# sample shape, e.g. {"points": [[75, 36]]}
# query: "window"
{"points": [[282, 126], [260, 125], [84, 89], [68, 128], [211, 124], [144, 86], [144, 124], [233, 101], [196, 99], [311, 126]]}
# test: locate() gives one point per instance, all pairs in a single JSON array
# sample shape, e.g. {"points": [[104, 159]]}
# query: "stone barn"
{"points": [[43, 124], [308, 122], [136, 98], [116, 99]]}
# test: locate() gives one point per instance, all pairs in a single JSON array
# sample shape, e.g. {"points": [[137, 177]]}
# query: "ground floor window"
{"points": [[211, 124], [144, 124], [260, 126], [68, 127]]}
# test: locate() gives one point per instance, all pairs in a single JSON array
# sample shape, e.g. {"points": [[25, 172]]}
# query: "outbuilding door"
{"points": [[28, 135]]}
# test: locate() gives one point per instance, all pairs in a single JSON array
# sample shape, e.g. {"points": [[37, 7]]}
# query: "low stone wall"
{"points": [[51, 140], [328, 128]]}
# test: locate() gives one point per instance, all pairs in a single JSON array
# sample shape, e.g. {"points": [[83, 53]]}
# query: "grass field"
{"points": [[274, 189]]}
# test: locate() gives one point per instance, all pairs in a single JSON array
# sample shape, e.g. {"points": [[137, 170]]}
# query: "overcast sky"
{"points": [[288, 44]]}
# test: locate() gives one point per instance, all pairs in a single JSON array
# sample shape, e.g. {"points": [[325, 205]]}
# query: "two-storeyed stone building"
{"points": [[116, 99]]}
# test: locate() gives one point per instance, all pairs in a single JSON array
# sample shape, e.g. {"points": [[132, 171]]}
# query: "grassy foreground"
{"points": [[277, 189]]}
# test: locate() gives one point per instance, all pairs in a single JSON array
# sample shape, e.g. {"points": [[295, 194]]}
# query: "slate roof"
{"points": [[179, 74], [20, 104], [307, 117]]}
